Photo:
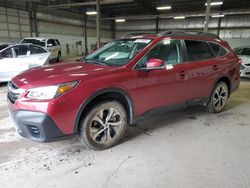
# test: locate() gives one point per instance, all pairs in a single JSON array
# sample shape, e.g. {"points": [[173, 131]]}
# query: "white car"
{"points": [[244, 54], [52, 45], [18, 58]]}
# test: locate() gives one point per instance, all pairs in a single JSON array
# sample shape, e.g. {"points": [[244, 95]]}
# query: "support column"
{"points": [[113, 29], [85, 31], [207, 15], [35, 19], [157, 25], [98, 23], [28, 8], [19, 25], [7, 21], [219, 25]]}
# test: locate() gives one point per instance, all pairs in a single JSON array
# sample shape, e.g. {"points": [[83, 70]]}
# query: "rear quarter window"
{"points": [[218, 49], [198, 50]]}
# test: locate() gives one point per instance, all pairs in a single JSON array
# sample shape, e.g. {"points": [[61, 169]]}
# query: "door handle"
{"points": [[215, 67], [182, 73]]}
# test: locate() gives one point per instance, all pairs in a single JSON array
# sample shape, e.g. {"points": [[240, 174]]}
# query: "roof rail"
{"points": [[138, 33], [188, 33], [212, 35]]}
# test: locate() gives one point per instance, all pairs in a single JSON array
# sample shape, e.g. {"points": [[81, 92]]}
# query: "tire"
{"points": [[103, 126], [218, 98], [58, 59]]}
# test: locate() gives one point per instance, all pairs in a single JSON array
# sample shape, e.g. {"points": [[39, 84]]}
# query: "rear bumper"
{"points": [[36, 126]]}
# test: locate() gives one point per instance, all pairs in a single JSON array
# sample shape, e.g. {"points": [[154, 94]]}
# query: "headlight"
{"points": [[50, 92]]}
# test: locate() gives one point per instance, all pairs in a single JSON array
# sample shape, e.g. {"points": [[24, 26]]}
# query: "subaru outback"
{"points": [[99, 97]]}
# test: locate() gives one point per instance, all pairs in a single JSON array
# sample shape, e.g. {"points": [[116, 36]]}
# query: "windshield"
{"points": [[117, 53], [243, 51], [34, 41]]}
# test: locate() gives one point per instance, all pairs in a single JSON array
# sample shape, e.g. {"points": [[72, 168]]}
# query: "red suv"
{"points": [[99, 97]]}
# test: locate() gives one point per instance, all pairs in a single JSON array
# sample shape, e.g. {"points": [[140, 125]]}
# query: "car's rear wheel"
{"points": [[219, 98], [104, 125]]}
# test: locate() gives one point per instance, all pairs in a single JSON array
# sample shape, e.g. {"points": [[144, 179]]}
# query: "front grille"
{"points": [[247, 73], [13, 93], [13, 97]]}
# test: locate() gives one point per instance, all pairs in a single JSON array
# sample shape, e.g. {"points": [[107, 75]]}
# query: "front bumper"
{"points": [[35, 126]]}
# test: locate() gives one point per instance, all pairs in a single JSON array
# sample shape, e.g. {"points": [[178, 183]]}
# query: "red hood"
{"points": [[59, 73]]}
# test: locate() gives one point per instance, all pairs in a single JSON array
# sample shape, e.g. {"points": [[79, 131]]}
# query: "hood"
{"points": [[245, 59], [59, 73]]}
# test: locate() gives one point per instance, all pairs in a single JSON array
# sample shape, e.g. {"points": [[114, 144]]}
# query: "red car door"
{"points": [[167, 86], [202, 69]]}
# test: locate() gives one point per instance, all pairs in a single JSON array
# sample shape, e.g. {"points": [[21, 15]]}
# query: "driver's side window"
{"points": [[166, 50]]}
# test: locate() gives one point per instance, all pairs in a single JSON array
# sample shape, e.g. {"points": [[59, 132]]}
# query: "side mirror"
{"points": [[49, 45], [155, 64]]}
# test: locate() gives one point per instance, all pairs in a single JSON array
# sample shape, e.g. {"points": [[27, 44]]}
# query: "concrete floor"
{"points": [[185, 148]]}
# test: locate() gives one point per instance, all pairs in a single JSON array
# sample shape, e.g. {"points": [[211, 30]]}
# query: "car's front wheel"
{"points": [[219, 97], [104, 125]]}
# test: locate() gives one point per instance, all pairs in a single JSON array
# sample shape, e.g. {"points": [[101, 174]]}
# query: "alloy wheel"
{"points": [[220, 97], [105, 125]]}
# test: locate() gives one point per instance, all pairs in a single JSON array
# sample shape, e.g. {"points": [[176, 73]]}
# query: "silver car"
{"points": [[244, 54], [17, 58]]}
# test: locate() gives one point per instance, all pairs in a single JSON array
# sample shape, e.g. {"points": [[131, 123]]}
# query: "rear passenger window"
{"points": [[218, 50], [36, 50], [198, 50]]}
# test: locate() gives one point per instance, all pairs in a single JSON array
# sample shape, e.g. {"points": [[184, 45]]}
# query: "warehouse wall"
{"points": [[14, 25], [67, 27], [234, 29]]}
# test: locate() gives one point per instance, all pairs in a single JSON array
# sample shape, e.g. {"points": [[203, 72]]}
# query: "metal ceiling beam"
{"points": [[103, 2], [187, 14]]}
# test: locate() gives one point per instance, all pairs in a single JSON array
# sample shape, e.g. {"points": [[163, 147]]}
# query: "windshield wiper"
{"points": [[96, 61]]}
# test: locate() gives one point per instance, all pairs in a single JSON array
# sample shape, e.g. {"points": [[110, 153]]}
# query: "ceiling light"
{"points": [[215, 3], [120, 20], [179, 17], [164, 8], [218, 16], [91, 13]]}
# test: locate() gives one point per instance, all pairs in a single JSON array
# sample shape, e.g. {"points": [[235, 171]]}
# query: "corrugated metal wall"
{"points": [[14, 25], [70, 32], [235, 29]]}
